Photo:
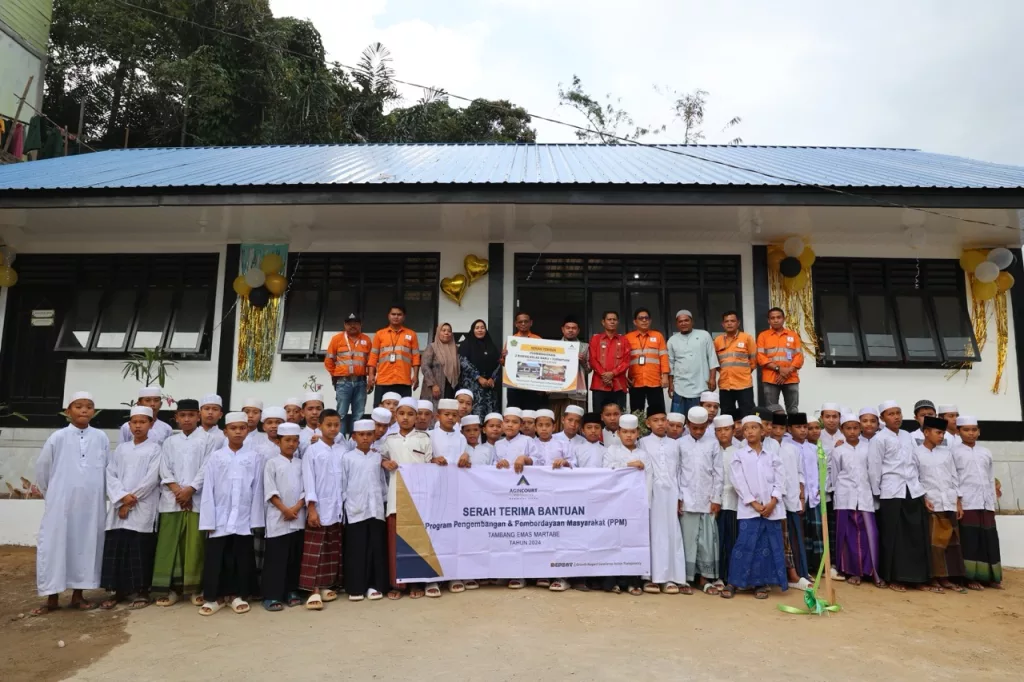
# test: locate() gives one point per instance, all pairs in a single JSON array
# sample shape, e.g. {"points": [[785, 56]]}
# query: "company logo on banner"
{"points": [[462, 524]]}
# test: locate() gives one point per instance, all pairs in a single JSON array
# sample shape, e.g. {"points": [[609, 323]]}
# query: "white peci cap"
{"points": [[868, 410], [966, 420], [697, 415], [423, 405], [447, 404], [211, 399], [273, 413], [381, 415], [235, 418], [81, 395], [722, 421], [529, 414], [144, 411], [149, 392], [546, 413], [946, 409], [470, 420], [676, 417], [409, 402], [830, 407], [751, 419], [253, 402], [390, 395], [295, 402], [849, 417], [887, 405], [288, 430], [312, 396], [363, 425], [628, 421], [574, 409], [513, 412], [709, 397], [492, 415], [464, 391]]}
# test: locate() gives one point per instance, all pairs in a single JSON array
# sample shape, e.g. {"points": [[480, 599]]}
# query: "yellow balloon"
{"points": [[271, 263], [807, 257], [241, 287], [276, 284], [8, 277], [984, 291], [971, 259], [793, 284], [775, 256], [1004, 282]]}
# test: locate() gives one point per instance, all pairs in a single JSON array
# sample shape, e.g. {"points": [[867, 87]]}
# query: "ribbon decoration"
{"points": [[258, 325], [816, 605]]}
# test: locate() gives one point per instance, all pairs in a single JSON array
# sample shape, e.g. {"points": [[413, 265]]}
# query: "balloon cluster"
{"points": [[258, 285], [8, 276], [989, 270], [793, 259]]}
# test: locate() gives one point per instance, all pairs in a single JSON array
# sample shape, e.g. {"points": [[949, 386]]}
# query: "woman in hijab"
{"points": [[481, 372], [440, 366]]}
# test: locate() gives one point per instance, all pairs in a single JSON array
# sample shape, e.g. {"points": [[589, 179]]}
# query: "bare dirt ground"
{"points": [[499, 634]]}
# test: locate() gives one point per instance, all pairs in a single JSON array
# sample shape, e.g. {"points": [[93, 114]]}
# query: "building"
{"points": [[24, 33], [129, 249]]}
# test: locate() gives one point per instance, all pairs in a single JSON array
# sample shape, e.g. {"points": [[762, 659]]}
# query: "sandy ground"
{"points": [[499, 634]]}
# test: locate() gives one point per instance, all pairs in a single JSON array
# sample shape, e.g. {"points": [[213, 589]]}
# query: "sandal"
{"points": [[197, 599], [635, 591], [373, 595], [44, 609], [416, 593], [209, 608], [515, 584], [727, 592], [853, 580], [881, 584], [616, 589], [108, 604], [543, 582], [952, 587], [472, 585], [139, 602], [936, 589], [356, 597], [83, 605], [456, 586], [433, 590], [670, 588], [315, 603], [329, 595], [293, 599], [273, 605], [711, 588], [991, 586], [394, 595], [559, 585], [581, 587], [685, 589], [239, 605], [170, 600], [761, 593], [976, 586], [896, 587], [651, 588]]}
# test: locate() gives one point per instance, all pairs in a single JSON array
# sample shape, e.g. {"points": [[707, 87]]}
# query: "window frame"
{"points": [[890, 291], [361, 263]]}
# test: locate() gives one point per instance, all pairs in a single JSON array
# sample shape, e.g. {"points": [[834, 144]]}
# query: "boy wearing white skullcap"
{"points": [[285, 513], [383, 419], [515, 449], [293, 410], [465, 398], [159, 432], [132, 476], [493, 431], [478, 451], [830, 433], [676, 425], [424, 415], [710, 401], [571, 421], [211, 409], [549, 451], [529, 427], [728, 528], [950, 413], [701, 477], [626, 453], [232, 506], [868, 417], [253, 410], [853, 478], [364, 492], [312, 406], [668, 560], [979, 537]]}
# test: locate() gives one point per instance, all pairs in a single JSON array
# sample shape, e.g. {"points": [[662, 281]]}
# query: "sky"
{"points": [[944, 76]]}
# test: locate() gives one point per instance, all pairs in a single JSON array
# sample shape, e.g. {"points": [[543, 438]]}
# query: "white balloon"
{"points": [[255, 277], [1002, 257], [916, 236], [986, 272], [540, 236], [793, 247]]}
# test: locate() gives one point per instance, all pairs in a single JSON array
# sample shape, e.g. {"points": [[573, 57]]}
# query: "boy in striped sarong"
{"points": [[320, 572], [978, 534], [941, 483]]}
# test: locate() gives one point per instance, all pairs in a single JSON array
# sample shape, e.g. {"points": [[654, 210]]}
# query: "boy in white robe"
{"points": [[464, 396], [610, 415], [267, 447], [676, 425], [514, 450], [448, 446], [477, 453], [232, 505], [312, 406], [211, 409], [625, 453], [285, 514], [293, 410], [493, 431], [178, 566], [668, 557], [365, 491], [710, 401], [320, 572], [728, 526], [529, 426], [553, 453], [792, 500], [389, 401], [149, 397], [253, 410], [868, 423], [571, 421], [424, 415], [830, 432], [979, 537], [701, 482], [590, 453], [71, 475], [409, 445]]}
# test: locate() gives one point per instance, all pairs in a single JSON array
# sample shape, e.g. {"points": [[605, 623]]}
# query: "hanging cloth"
{"points": [[18, 141], [34, 138], [53, 144]]}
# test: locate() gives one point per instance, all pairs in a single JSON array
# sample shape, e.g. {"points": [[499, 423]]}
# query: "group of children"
{"points": [[281, 505]]}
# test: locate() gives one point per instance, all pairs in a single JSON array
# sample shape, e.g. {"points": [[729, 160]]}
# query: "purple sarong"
{"points": [[857, 540]]}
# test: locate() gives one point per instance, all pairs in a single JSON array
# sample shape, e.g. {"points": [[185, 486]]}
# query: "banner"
{"points": [[540, 365], [473, 524]]}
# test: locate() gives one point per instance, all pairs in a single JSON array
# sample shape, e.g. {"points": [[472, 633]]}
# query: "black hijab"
{"points": [[481, 353]]}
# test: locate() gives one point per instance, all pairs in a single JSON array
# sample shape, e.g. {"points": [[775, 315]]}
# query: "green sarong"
{"points": [[179, 553]]}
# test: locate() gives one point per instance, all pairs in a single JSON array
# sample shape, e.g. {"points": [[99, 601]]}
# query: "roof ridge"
{"points": [[592, 145]]}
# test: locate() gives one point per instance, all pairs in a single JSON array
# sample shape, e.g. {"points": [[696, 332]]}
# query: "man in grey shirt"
{"points": [[693, 363]]}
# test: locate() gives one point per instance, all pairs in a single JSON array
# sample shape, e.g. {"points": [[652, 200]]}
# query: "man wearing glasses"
{"points": [[648, 365]]}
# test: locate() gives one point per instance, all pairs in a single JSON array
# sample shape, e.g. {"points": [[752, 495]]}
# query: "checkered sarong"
{"points": [[321, 558], [127, 561]]}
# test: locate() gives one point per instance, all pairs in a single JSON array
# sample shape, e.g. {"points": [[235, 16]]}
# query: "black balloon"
{"points": [[260, 296], [789, 267]]}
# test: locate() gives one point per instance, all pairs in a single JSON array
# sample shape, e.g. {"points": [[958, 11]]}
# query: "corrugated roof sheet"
{"points": [[489, 164]]}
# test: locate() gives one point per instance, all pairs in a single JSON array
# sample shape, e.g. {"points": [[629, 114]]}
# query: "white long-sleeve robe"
{"points": [[71, 474], [232, 493], [159, 432], [183, 462], [134, 470], [662, 465]]}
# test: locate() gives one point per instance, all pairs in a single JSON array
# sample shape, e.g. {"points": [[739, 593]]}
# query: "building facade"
{"points": [[24, 33]]}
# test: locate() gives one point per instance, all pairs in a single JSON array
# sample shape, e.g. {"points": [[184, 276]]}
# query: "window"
{"points": [[892, 312], [129, 302], [327, 287], [549, 287]]}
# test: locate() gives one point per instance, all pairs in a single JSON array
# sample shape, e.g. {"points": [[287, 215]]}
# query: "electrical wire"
{"points": [[725, 164]]}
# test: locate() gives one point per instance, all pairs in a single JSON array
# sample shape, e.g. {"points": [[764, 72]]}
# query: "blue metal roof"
{"points": [[490, 164]]}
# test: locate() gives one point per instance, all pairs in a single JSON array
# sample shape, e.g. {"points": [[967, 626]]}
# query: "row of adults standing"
{"points": [[633, 370]]}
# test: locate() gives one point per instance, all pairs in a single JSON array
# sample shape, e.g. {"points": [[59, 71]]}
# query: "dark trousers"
{"points": [[625, 582], [229, 568], [774, 394], [365, 556], [600, 398], [737, 403], [650, 399], [404, 390], [526, 400], [281, 565]]}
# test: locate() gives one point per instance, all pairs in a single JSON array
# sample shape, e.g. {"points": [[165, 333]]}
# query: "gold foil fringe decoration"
{"points": [[1002, 339], [799, 307], [258, 327]]}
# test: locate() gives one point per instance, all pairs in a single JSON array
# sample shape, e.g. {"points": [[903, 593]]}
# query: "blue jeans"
{"points": [[350, 394], [683, 405]]}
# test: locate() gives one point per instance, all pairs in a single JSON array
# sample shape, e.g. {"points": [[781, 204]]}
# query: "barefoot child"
{"points": [[625, 453], [855, 474], [133, 474], [320, 570], [285, 514], [702, 480], [232, 506], [978, 535], [409, 446], [942, 497], [70, 473], [364, 491], [149, 397], [178, 566], [758, 559], [662, 464], [728, 528]]}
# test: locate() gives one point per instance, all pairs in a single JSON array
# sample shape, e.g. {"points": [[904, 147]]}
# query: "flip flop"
{"points": [[853, 580], [197, 599], [456, 586], [651, 588], [952, 587], [472, 585], [976, 586], [314, 603], [139, 603], [108, 604], [881, 584], [935, 589], [761, 593], [329, 595], [355, 597], [543, 582], [433, 590], [636, 591], [373, 595], [515, 584], [727, 592], [616, 589], [239, 605], [896, 587], [416, 593], [293, 599], [394, 595], [209, 608], [83, 605], [170, 600], [685, 589], [711, 588], [44, 609], [670, 588], [558, 585], [273, 605]]}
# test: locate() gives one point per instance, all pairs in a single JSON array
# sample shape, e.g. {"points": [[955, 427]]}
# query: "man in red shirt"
{"points": [[609, 360]]}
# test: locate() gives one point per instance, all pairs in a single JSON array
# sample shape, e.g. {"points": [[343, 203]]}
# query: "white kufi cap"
{"points": [[464, 391], [422, 405], [211, 399], [628, 421], [81, 395], [513, 412], [381, 415], [887, 405], [252, 402], [723, 420], [288, 430], [546, 413], [697, 415], [676, 417], [363, 425], [144, 411], [409, 402], [966, 421], [273, 413], [292, 401], [709, 397], [529, 414], [470, 420], [751, 419], [149, 392], [312, 396], [447, 404], [868, 410], [849, 417], [946, 409], [492, 415], [235, 418], [390, 395], [574, 409]]}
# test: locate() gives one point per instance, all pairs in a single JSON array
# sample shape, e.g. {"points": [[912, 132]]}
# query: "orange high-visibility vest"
{"points": [[394, 354], [782, 348], [651, 347]]}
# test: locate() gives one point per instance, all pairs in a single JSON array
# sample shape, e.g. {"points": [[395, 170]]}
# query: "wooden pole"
{"points": [[17, 112], [126, 138]]}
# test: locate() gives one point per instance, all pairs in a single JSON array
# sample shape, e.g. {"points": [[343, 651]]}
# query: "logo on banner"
{"points": [[523, 490], [523, 481]]}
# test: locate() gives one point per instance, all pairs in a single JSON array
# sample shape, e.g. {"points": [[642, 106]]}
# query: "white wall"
{"points": [[16, 66]]}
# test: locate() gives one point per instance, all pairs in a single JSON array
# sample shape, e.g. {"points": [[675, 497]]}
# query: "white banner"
{"points": [[462, 524], [540, 364]]}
